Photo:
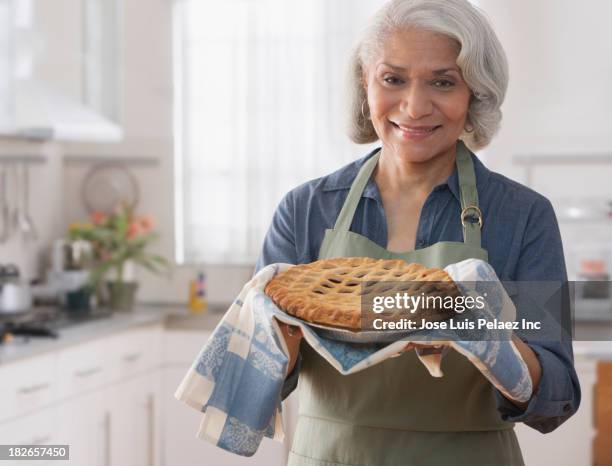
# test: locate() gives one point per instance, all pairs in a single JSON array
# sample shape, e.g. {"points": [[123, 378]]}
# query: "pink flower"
{"points": [[134, 229], [146, 224], [98, 218]]}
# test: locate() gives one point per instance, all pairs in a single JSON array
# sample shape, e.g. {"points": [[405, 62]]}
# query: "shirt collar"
{"points": [[343, 178]]}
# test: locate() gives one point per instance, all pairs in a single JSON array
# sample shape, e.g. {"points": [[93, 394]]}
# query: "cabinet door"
{"points": [[27, 386], [39, 428], [85, 424], [135, 422], [83, 368], [135, 352]]}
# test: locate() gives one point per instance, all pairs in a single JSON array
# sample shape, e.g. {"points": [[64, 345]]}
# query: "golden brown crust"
{"points": [[330, 291]]}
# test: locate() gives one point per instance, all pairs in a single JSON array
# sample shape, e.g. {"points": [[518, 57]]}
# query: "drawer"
{"points": [[27, 385], [182, 347], [39, 428], [136, 351], [83, 368]]}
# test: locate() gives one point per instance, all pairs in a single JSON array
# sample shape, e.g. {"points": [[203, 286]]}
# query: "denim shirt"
{"points": [[520, 233]]}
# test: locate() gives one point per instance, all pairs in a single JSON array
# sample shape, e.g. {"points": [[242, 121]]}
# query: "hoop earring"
{"points": [[469, 130], [363, 111]]}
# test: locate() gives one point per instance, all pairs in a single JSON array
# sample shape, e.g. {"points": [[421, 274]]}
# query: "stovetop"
{"points": [[45, 321]]}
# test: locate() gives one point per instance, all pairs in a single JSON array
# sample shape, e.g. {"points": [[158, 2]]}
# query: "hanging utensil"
{"points": [[5, 230], [28, 229], [15, 215]]}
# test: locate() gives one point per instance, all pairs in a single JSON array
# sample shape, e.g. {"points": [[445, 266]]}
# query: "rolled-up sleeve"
{"points": [[292, 379], [279, 246], [558, 394]]}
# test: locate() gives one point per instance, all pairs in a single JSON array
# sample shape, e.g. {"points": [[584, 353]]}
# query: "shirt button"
{"points": [[566, 408]]}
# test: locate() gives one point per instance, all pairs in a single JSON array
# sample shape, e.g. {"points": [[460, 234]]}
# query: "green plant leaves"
{"points": [[116, 240]]}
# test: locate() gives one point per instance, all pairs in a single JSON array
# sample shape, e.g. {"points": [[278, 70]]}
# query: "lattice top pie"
{"points": [[330, 291]]}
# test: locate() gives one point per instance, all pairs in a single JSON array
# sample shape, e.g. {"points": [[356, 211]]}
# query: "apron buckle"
{"points": [[465, 214]]}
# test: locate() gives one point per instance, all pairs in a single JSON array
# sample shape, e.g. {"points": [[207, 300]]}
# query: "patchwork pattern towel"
{"points": [[236, 379]]}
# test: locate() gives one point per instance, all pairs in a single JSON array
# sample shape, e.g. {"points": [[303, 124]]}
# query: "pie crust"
{"points": [[332, 292]]}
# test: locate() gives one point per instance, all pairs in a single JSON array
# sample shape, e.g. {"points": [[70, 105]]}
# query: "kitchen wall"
{"points": [[559, 102], [560, 62]]}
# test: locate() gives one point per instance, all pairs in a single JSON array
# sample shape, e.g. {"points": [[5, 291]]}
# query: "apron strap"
{"points": [[471, 216], [345, 217]]}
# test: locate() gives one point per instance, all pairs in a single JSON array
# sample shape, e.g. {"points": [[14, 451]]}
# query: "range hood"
{"points": [[41, 112]]}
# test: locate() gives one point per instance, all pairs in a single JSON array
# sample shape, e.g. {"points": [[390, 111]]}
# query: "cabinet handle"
{"points": [[87, 372], [41, 440], [33, 388], [132, 357], [151, 416]]}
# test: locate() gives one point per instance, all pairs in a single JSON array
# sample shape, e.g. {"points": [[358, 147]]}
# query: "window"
{"points": [[259, 109]]}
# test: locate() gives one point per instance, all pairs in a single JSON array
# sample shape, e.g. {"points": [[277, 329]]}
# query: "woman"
{"points": [[429, 77]]}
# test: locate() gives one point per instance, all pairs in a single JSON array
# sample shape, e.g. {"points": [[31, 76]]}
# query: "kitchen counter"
{"points": [[172, 317], [187, 321], [593, 340], [594, 350]]}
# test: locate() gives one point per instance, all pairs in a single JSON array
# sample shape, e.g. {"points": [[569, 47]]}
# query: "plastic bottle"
{"points": [[197, 294], [202, 292]]}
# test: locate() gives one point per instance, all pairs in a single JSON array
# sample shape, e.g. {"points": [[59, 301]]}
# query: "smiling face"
{"points": [[417, 97]]}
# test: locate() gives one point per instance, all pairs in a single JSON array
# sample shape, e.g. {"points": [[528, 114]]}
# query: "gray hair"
{"points": [[481, 59]]}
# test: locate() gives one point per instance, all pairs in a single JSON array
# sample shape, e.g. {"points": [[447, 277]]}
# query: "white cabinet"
{"points": [[85, 424], [117, 426], [39, 428], [134, 352], [83, 368], [101, 397], [27, 386], [136, 422], [112, 400]]}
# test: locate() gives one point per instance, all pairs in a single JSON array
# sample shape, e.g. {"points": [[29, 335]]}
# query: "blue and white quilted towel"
{"points": [[236, 379]]}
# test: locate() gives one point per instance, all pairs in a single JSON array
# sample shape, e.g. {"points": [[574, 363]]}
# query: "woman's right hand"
{"points": [[293, 337]]}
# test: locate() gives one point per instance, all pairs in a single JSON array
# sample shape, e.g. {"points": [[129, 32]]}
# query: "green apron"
{"points": [[395, 413]]}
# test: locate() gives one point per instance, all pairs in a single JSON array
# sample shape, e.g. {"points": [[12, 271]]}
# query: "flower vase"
{"points": [[121, 295]]}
